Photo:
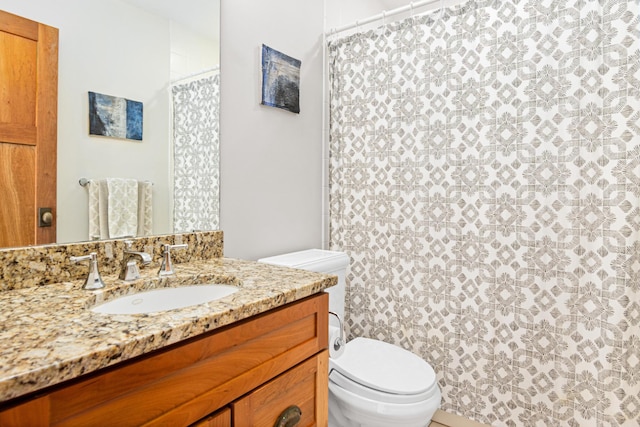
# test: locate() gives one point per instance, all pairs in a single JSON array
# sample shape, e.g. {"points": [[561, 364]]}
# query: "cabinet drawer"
{"points": [[304, 386]]}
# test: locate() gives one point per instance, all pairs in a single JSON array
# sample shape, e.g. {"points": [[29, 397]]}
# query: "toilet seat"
{"points": [[383, 372], [339, 380]]}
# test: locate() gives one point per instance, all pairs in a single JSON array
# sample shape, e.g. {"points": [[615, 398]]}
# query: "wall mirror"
{"points": [[138, 50]]}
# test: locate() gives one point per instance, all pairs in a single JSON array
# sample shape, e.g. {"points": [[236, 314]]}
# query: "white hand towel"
{"points": [[145, 208], [98, 202], [104, 209], [94, 210], [123, 207]]}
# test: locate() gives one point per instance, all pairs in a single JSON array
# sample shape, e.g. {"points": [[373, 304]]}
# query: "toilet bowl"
{"points": [[374, 383], [371, 383]]}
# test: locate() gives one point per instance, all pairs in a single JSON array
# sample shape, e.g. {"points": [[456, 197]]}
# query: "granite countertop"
{"points": [[49, 335]]}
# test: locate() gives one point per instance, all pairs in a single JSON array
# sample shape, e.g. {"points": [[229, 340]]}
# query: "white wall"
{"points": [[191, 53], [101, 50], [343, 12], [271, 159]]}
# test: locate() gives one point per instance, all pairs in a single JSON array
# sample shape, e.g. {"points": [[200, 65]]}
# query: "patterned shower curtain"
{"points": [[196, 154], [485, 182]]}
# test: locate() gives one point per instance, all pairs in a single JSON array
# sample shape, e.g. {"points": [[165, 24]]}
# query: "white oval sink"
{"points": [[164, 299]]}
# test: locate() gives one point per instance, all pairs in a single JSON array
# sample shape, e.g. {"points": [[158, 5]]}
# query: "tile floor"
{"points": [[444, 419]]}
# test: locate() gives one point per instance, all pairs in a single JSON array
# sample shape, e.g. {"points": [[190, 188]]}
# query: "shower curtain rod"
{"points": [[381, 16], [199, 73]]}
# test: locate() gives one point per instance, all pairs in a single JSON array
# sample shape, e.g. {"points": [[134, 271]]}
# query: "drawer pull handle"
{"points": [[289, 417]]}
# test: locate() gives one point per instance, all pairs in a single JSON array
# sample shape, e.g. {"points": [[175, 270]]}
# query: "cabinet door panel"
{"points": [[303, 386]]}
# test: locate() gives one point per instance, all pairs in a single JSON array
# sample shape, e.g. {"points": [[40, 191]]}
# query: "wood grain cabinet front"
{"points": [[188, 382], [288, 400], [221, 418]]}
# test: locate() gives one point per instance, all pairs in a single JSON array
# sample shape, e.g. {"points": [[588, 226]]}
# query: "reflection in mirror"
{"points": [[150, 51]]}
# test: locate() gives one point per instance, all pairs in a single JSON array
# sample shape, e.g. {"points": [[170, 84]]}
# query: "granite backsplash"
{"points": [[43, 265]]}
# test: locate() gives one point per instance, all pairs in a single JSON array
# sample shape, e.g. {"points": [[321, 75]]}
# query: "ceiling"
{"points": [[203, 16]]}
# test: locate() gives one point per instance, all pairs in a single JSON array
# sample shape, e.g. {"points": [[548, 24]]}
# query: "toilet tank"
{"points": [[320, 261]]}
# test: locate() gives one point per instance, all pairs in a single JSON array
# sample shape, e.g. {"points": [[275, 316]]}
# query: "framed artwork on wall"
{"points": [[280, 80], [115, 117]]}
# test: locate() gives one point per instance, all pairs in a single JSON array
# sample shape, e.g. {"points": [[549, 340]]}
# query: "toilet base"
{"points": [[348, 410]]}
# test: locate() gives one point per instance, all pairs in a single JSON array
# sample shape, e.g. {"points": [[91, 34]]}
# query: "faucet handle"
{"points": [[166, 269], [93, 281]]}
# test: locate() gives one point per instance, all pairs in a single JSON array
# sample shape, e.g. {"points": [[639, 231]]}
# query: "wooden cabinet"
{"points": [[249, 370]]}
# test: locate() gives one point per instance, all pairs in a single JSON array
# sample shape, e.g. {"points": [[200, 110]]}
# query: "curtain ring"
{"points": [[384, 18], [411, 9]]}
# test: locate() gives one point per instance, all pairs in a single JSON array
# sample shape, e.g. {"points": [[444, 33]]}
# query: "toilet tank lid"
{"points": [[318, 260]]}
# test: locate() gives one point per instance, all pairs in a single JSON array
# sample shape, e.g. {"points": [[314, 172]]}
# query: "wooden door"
{"points": [[28, 129]]}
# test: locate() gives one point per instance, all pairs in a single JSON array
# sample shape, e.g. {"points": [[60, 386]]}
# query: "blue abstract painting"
{"points": [[280, 80], [115, 117]]}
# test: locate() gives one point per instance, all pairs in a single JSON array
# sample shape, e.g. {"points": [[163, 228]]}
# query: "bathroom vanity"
{"points": [[248, 359]]}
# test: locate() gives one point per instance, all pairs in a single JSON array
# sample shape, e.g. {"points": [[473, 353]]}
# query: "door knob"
{"points": [[45, 217]]}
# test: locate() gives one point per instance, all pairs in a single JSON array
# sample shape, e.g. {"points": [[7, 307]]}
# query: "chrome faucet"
{"points": [[166, 269], [129, 268], [94, 281]]}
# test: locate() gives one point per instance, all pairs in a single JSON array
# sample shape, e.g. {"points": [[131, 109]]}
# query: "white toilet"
{"points": [[371, 383]]}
